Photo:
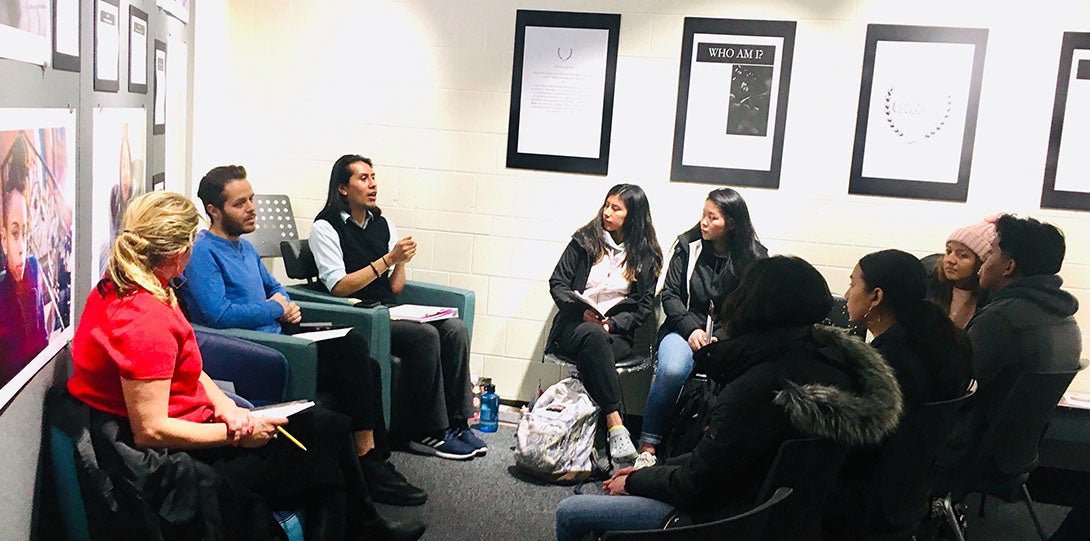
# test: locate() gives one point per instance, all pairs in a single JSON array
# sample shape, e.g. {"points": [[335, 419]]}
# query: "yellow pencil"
{"points": [[281, 430]]}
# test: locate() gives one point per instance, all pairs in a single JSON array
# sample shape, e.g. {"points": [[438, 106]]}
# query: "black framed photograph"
{"points": [[159, 106], [66, 35], [107, 45], [159, 182], [917, 115], [1067, 168], [732, 101], [562, 87], [138, 50]]}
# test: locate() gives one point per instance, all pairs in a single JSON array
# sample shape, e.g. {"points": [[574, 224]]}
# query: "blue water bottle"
{"points": [[490, 409]]}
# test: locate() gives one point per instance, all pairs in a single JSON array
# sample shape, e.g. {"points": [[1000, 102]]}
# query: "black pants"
{"points": [[325, 480], [347, 370], [435, 388], [595, 352]]}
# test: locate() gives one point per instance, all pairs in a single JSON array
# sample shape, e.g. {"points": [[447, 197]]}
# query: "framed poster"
{"points": [[38, 171], [562, 84], [25, 30], [66, 35], [138, 51], [918, 103], [107, 45], [732, 101], [118, 174], [159, 106], [1067, 168], [177, 8], [159, 182]]}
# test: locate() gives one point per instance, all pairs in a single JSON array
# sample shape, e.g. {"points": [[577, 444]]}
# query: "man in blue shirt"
{"points": [[227, 286]]}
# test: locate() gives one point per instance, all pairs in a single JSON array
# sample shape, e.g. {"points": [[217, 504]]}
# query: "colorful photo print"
{"points": [[118, 168]]}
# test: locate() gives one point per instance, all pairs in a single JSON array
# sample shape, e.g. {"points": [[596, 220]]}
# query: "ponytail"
{"points": [[156, 226]]}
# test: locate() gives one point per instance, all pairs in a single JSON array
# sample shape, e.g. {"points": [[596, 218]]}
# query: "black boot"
{"points": [[386, 530], [388, 486]]}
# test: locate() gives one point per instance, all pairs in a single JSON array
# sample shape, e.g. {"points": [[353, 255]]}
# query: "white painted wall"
{"points": [[422, 87]]}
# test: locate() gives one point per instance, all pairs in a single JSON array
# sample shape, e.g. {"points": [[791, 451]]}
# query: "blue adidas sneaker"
{"points": [[449, 447], [468, 437]]}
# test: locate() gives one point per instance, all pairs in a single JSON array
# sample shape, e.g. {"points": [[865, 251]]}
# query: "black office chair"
{"points": [[900, 488], [747, 526], [1007, 453], [838, 317], [810, 467]]}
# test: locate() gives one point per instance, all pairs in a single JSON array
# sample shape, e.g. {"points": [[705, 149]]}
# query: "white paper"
{"points": [[918, 105], [589, 302], [422, 313], [178, 8], [24, 31], [563, 91], [107, 36], [318, 336], [286, 409], [138, 54], [160, 107], [707, 142], [1073, 166], [68, 27]]}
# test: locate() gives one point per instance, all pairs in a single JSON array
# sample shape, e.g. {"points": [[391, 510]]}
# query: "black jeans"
{"points": [[595, 352], [347, 370], [435, 386]]}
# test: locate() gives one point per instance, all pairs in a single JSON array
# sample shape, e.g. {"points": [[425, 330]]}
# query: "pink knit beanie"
{"points": [[978, 237]]}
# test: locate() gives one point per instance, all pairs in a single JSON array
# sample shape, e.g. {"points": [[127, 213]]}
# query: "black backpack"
{"points": [[690, 418]]}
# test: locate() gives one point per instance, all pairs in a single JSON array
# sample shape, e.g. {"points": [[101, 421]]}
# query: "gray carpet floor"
{"points": [[480, 499]]}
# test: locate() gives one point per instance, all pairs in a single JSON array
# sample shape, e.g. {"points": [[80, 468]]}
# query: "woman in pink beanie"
{"points": [[953, 281]]}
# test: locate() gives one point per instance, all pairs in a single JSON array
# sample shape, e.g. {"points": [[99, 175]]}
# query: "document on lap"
{"points": [[422, 314], [316, 331], [1076, 400], [283, 409], [589, 302]]}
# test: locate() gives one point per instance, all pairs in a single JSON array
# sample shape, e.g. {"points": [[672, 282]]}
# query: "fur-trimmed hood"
{"points": [[860, 416]]}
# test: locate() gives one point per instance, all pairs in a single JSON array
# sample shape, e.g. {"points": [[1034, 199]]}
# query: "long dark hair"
{"points": [[934, 336], [640, 241], [779, 291], [742, 241], [944, 293], [335, 203]]}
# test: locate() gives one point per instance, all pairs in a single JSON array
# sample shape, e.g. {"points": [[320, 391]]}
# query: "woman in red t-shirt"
{"points": [[135, 356]]}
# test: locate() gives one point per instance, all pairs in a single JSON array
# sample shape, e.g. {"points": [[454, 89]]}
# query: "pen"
{"points": [[708, 327], [281, 430]]}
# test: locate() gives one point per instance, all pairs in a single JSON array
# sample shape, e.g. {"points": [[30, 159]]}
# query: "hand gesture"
{"points": [[239, 423], [404, 250], [590, 316], [698, 339], [615, 485], [263, 431]]}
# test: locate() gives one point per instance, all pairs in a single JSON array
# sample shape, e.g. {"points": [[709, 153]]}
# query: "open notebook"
{"points": [[422, 314]]}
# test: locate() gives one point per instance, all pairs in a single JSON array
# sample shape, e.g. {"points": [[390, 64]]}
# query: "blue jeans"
{"points": [[675, 362], [578, 515]]}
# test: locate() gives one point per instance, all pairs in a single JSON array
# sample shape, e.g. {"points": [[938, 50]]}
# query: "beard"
{"points": [[235, 227]]}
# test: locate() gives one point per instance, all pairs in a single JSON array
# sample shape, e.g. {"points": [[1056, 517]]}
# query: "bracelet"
{"points": [[373, 269], [388, 265]]}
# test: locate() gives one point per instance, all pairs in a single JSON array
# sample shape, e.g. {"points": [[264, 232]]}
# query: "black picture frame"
{"points": [[158, 182], [740, 123], [951, 188], [555, 162], [64, 61], [104, 84], [137, 13], [158, 115], [1051, 197]]}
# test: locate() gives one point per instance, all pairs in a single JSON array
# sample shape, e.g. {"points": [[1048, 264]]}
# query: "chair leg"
{"points": [[1032, 513], [951, 517]]}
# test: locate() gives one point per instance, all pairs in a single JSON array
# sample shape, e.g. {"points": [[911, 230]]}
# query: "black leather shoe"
{"points": [[388, 486], [399, 531]]}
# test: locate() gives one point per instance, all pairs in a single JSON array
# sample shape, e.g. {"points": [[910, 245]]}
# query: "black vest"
{"points": [[360, 247]]}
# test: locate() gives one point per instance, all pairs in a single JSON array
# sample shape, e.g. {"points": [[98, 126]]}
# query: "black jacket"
{"points": [[571, 274], [695, 277], [781, 384], [920, 379]]}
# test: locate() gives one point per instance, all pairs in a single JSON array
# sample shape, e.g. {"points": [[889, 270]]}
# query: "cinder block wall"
{"points": [[422, 87]]}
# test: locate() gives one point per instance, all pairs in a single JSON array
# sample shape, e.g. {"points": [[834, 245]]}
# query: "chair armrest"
{"points": [[374, 323], [302, 292], [302, 356], [424, 293], [259, 373]]}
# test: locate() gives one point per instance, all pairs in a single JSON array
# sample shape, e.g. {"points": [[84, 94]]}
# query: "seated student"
{"points": [[137, 365], [615, 260], [359, 255], [23, 331], [1029, 325], [705, 266], [930, 356], [953, 283], [785, 378], [226, 286]]}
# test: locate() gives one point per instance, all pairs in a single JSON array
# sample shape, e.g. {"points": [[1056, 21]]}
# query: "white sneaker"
{"points": [[645, 459]]}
